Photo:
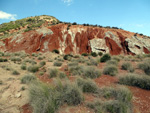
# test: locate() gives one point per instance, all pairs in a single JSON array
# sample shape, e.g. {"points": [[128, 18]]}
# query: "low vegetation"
{"points": [[141, 81], [127, 66], [110, 70], [57, 63], [33, 68], [26, 79], [105, 58], [120, 104], [87, 85], [46, 98], [145, 66]]}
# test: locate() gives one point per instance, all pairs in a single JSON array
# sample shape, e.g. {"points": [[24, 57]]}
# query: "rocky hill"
{"points": [[46, 33]]}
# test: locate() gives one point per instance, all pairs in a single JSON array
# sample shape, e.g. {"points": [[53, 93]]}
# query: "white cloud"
{"points": [[68, 2], [4, 15], [139, 25]]}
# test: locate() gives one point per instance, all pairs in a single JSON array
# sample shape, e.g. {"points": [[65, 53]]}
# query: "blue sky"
{"points": [[131, 15]]}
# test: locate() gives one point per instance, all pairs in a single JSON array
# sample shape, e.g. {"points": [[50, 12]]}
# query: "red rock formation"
{"points": [[146, 50], [74, 40]]}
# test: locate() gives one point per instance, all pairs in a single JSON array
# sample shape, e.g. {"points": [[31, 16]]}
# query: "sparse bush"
{"points": [[3, 60], [53, 73], [55, 51], [127, 66], [33, 68], [23, 67], [57, 63], [120, 101], [115, 106], [67, 57], [100, 53], [34, 54], [141, 81], [87, 85], [15, 59], [72, 94], [84, 54], [94, 54], [62, 75], [110, 70], [43, 98], [112, 62], [46, 98], [91, 72], [42, 63], [76, 70], [105, 58], [1, 82], [40, 58], [73, 64], [41, 73], [27, 79], [15, 72], [92, 62], [145, 66], [122, 94], [116, 58]]}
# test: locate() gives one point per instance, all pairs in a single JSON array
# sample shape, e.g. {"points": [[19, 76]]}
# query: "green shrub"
{"points": [[145, 66], [67, 57], [1, 54], [92, 62], [40, 58], [118, 101], [141, 81], [100, 53], [72, 94], [84, 54], [34, 54], [73, 64], [87, 85], [55, 51], [41, 73], [57, 63], [116, 58], [15, 72], [42, 63], [115, 106], [3, 60], [94, 54], [27, 79], [112, 62], [62, 75], [110, 70], [15, 59], [1, 82], [33, 68], [44, 98], [91, 72], [122, 94], [23, 67], [53, 73], [127, 66], [76, 70], [105, 58]]}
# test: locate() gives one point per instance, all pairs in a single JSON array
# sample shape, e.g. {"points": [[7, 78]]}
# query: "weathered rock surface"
{"points": [[77, 39]]}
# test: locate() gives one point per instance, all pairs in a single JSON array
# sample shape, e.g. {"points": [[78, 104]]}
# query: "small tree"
{"points": [[105, 58]]}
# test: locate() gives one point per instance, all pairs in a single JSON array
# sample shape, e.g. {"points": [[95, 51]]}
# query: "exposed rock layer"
{"points": [[77, 40]]}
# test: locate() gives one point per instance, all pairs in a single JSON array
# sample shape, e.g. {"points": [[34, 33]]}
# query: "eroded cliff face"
{"points": [[77, 39]]}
